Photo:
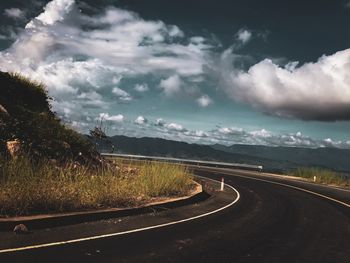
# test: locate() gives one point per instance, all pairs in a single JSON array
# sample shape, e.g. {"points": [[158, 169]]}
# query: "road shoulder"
{"points": [[161, 217]]}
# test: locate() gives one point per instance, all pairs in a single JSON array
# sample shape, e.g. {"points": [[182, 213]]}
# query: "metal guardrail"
{"points": [[187, 161]]}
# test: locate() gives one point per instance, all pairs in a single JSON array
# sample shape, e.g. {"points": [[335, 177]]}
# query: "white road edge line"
{"points": [[290, 186], [128, 231]]}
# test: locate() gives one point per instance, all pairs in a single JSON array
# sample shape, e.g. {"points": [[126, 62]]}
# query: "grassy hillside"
{"points": [[26, 116], [44, 177]]}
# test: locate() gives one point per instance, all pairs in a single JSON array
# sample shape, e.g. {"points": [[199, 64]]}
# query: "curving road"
{"points": [[270, 223]]}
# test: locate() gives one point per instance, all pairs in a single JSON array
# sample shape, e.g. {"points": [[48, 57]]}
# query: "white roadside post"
{"points": [[315, 179], [222, 184]]}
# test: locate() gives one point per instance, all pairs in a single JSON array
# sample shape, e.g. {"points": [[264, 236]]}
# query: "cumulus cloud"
{"points": [[243, 35], [140, 120], [313, 91], [171, 86], [175, 127], [160, 122], [141, 87], [112, 118], [204, 101], [121, 94], [169, 127], [220, 135], [82, 58], [14, 13], [201, 134], [54, 11], [234, 135], [230, 130], [237, 135], [90, 99], [72, 52]]}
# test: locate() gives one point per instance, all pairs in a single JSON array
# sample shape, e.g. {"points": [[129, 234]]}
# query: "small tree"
{"points": [[99, 134], [99, 131]]}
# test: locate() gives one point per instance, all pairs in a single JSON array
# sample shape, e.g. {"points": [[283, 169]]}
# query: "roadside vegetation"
{"points": [[323, 176], [28, 187], [47, 167], [27, 121]]}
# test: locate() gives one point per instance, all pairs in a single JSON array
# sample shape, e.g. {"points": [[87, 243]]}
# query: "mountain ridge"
{"points": [[273, 159]]}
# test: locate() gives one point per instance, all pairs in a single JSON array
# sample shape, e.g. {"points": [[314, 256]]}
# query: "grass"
{"points": [[31, 121], [28, 188], [324, 176]]}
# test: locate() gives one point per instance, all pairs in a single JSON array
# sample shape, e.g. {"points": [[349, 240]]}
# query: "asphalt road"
{"points": [[269, 223]]}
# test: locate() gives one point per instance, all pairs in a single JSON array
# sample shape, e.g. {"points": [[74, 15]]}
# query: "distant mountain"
{"points": [[169, 148], [273, 159], [332, 158]]}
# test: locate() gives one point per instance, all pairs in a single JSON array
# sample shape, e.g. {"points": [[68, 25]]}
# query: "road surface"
{"points": [[270, 223]]}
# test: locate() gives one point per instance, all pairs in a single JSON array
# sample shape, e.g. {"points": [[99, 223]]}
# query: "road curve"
{"points": [[270, 223]]}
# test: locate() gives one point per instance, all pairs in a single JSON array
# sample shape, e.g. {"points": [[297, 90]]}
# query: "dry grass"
{"points": [[322, 176], [28, 188]]}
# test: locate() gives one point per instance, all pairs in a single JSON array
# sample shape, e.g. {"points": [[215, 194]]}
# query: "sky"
{"points": [[256, 72]]}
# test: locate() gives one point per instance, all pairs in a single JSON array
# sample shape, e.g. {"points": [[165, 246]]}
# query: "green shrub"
{"points": [[31, 121]]}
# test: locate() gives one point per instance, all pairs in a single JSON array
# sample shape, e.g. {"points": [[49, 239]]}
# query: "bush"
{"points": [[31, 121]]}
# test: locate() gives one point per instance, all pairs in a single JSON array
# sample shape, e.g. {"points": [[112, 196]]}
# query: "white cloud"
{"points": [[116, 80], [160, 122], [174, 31], [169, 127], [121, 94], [90, 99], [313, 91], [175, 127], [261, 133], [14, 13], [141, 87], [196, 136], [74, 53], [234, 135], [79, 125], [204, 101], [197, 40], [201, 134], [231, 130], [243, 35], [140, 120], [89, 95], [221, 135], [237, 135], [54, 11], [113, 118], [171, 86]]}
